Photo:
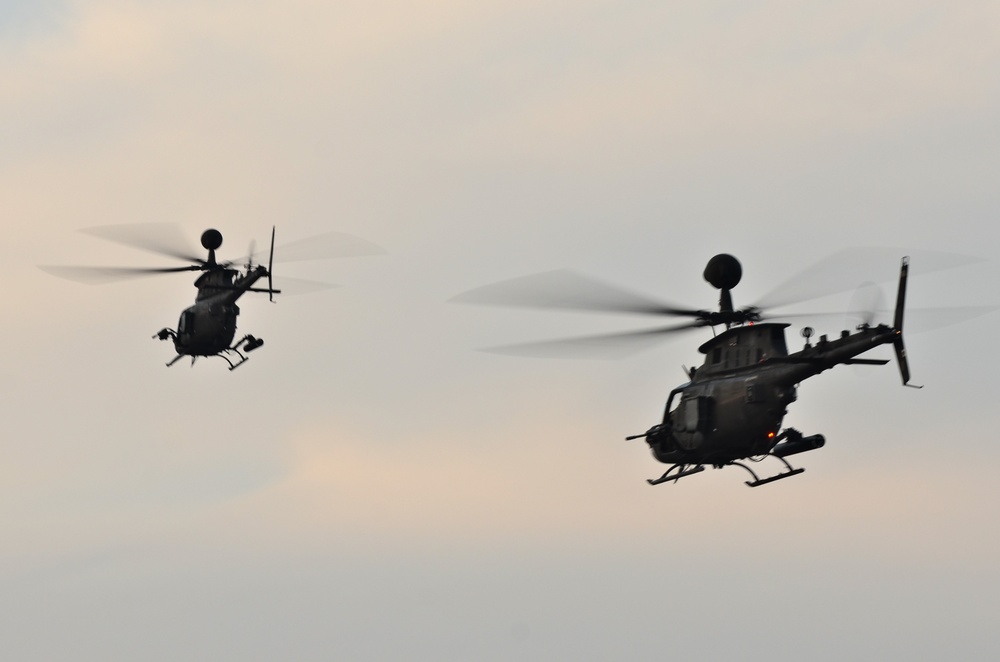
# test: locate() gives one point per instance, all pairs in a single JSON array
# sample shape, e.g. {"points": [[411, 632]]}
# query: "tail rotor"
{"points": [[897, 324], [250, 254], [270, 261]]}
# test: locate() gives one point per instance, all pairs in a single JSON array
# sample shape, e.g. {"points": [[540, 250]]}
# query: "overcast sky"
{"points": [[369, 486]]}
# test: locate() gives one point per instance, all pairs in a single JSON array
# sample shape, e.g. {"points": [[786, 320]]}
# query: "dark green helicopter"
{"points": [[208, 327], [731, 408]]}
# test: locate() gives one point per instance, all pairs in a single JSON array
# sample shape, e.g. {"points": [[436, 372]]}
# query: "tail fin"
{"points": [[897, 324]]}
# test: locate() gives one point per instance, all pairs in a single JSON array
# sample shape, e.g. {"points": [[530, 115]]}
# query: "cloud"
{"points": [[147, 111]]}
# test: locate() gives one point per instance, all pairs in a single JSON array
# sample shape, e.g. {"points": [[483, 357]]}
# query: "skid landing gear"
{"points": [[764, 481], [789, 442], [234, 357], [678, 471], [682, 470]]}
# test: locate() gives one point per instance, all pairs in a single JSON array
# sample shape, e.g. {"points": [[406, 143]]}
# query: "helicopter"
{"points": [[730, 409], [208, 327]]}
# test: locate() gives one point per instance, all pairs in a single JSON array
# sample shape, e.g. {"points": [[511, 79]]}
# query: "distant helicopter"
{"points": [[731, 408], [209, 326]]}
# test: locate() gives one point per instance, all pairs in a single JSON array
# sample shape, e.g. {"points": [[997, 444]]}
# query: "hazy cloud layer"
{"points": [[370, 487]]}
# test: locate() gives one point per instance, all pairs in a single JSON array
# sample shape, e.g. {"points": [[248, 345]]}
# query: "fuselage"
{"points": [[209, 326], [734, 405]]}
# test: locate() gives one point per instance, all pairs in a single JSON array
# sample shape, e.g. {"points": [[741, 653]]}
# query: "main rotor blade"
{"points": [[326, 246], [101, 275], [567, 290], [291, 287], [605, 346], [918, 320], [160, 238], [845, 269]]}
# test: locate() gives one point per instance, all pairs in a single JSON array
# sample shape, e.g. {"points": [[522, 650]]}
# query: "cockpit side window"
{"points": [[696, 413]]}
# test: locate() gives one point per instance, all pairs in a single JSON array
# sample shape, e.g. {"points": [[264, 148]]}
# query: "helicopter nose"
{"points": [[211, 239]]}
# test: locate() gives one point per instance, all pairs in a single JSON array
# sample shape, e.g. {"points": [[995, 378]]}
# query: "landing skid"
{"points": [[683, 470], [235, 361], [764, 481], [240, 358]]}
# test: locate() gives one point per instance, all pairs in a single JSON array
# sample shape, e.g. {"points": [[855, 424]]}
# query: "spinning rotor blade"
{"points": [[606, 346], [843, 270], [327, 246], [160, 238], [918, 320], [291, 287], [566, 290], [101, 275]]}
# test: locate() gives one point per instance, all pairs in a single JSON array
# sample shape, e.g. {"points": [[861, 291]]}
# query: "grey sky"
{"points": [[368, 486]]}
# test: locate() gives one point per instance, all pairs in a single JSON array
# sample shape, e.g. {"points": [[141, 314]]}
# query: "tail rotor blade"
{"points": [[904, 366], [897, 324], [253, 249], [270, 262]]}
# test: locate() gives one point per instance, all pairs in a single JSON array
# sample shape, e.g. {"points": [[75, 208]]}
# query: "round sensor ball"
{"points": [[723, 271], [211, 239]]}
